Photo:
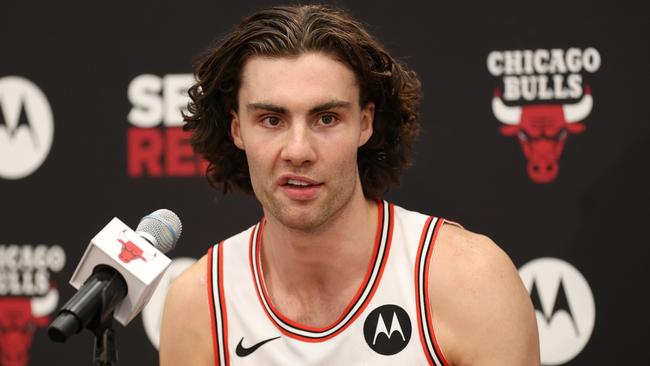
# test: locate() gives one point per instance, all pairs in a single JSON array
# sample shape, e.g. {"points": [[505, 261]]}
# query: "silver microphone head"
{"points": [[161, 228]]}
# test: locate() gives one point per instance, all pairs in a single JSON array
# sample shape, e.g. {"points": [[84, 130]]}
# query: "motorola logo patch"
{"points": [[564, 307], [387, 329], [26, 127]]}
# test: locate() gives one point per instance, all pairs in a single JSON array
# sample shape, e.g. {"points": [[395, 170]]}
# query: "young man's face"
{"points": [[300, 124]]}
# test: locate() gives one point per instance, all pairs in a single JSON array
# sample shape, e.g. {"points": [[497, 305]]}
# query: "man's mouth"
{"points": [[298, 183], [292, 181], [300, 188]]}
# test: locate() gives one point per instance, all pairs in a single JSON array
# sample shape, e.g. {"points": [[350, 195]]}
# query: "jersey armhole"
{"points": [[454, 223], [428, 339], [217, 302]]}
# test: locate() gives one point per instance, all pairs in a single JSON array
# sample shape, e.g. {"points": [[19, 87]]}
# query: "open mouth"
{"points": [[300, 188], [298, 184]]}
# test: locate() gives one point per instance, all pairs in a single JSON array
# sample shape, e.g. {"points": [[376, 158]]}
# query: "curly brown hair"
{"points": [[289, 31]]}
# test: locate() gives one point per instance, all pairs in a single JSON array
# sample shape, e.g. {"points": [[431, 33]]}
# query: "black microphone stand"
{"points": [[92, 308], [104, 349]]}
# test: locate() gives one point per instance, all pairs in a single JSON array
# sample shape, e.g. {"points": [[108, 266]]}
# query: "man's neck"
{"points": [[302, 268]]}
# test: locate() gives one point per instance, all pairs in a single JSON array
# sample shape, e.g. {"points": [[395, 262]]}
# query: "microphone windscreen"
{"points": [[161, 227]]}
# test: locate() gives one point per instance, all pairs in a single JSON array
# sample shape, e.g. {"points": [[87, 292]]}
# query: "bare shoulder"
{"points": [[186, 334], [481, 311]]}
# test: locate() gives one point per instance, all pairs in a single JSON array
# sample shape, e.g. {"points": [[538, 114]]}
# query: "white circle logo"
{"points": [[564, 306], [26, 127], [153, 311]]}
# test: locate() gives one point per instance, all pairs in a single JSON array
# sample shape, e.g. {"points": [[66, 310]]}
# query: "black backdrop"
{"points": [[590, 217]]}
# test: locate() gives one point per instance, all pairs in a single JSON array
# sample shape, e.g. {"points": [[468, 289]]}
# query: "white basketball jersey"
{"points": [[388, 322]]}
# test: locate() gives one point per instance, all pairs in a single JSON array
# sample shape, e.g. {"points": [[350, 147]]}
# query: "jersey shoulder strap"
{"points": [[216, 296], [423, 262]]}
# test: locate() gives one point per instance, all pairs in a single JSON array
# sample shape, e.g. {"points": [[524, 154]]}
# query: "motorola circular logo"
{"points": [[152, 313], [26, 127], [387, 329], [564, 306]]}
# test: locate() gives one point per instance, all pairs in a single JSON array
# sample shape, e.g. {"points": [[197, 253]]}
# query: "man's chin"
{"points": [[301, 220], [299, 215]]}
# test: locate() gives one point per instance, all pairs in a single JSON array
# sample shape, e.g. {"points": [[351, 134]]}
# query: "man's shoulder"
{"points": [[189, 291], [414, 215], [477, 297], [195, 277], [186, 318], [467, 264], [467, 253], [192, 284], [455, 243]]}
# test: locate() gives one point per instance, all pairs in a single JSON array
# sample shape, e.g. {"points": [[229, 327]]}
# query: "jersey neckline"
{"points": [[358, 303]]}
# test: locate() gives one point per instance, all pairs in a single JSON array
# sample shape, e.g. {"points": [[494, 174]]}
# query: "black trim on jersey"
{"points": [[422, 261], [423, 319], [217, 306]]}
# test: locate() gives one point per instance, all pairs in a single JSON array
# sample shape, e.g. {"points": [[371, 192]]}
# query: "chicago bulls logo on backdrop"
{"points": [[542, 100], [28, 296]]}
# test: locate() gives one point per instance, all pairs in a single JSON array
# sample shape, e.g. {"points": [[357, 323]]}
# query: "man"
{"points": [[301, 107]]}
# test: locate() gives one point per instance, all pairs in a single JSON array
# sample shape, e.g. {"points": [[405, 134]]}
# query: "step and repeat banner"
{"points": [[535, 132]]}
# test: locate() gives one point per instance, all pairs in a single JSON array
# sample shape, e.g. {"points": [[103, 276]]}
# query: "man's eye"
{"points": [[271, 121], [327, 119]]}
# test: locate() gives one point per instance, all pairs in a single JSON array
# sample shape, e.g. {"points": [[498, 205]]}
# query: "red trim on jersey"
{"points": [[250, 262], [222, 302], [355, 298], [417, 289], [389, 240], [380, 222], [427, 263], [212, 315]]}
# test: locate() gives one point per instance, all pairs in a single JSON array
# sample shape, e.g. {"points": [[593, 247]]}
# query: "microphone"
{"points": [[118, 273]]}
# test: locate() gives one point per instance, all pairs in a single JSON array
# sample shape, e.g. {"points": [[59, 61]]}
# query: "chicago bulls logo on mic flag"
{"points": [[130, 250], [140, 263]]}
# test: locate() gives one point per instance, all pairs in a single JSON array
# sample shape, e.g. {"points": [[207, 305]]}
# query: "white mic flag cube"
{"points": [[140, 264]]}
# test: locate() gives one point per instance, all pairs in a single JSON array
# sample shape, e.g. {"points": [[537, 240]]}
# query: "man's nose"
{"points": [[299, 147]]}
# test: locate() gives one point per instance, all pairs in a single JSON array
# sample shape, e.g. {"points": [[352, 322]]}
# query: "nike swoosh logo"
{"points": [[242, 351]]}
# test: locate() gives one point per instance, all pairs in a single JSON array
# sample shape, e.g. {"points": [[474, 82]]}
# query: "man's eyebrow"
{"points": [[330, 105], [281, 110], [266, 107]]}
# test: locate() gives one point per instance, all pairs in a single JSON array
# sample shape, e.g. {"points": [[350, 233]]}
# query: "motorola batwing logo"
{"points": [[26, 127], [564, 306], [387, 329]]}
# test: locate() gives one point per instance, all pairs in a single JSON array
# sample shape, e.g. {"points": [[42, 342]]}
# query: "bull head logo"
{"points": [[19, 318], [542, 131], [130, 250]]}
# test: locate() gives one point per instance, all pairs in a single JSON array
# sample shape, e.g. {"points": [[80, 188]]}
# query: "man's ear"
{"points": [[367, 119], [235, 131]]}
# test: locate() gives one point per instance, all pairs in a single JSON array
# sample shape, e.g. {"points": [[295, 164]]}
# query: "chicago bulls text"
{"points": [[543, 74], [25, 269]]}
